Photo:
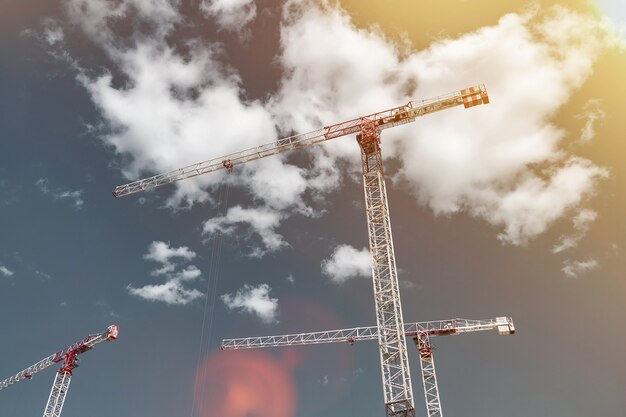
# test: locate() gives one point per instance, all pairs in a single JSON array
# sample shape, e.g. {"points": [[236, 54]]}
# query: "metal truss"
{"points": [[504, 325], [76, 348], [394, 362], [429, 377], [57, 394]]}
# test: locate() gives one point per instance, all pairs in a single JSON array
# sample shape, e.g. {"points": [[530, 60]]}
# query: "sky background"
{"points": [[514, 208]]}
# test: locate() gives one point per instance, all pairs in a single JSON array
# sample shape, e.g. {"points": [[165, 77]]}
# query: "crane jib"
{"points": [[468, 97], [74, 349]]}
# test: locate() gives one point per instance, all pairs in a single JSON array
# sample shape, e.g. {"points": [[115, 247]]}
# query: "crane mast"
{"points": [[398, 392], [421, 332], [69, 357], [396, 379]]}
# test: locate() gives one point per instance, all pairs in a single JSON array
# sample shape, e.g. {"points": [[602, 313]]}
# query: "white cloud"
{"points": [[261, 221], [481, 161], [188, 274], [53, 34], [61, 194], [504, 162], [581, 222], [162, 252], [592, 113], [173, 291], [6, 271], [574, 268], [230, 15], [254, 300], [96, 17], [527, 210], [347, 262], [290, 278], [278, 185], [43, 275], [174, 110]]}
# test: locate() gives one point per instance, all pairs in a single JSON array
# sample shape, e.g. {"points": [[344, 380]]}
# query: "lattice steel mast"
{"points": [[391, 340], [395, 372], [421, 333], [69, 357]]}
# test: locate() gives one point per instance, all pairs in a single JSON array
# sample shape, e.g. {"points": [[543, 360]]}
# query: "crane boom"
{"points": [[74, 349], [504, 325], [385, 119]]}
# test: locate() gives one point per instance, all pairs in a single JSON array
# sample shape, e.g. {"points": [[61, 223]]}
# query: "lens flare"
{"points": [[244, 384]]}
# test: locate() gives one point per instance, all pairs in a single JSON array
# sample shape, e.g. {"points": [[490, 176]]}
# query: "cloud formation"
{"points": [[96, 18], [174, 290], [592, 114], [230, 15], [261, 223], [581, 222], [347, 262], [60, 194], [255, 301], [505, 163], [574, 268], [500, 162], [6, 271], [162, 252]]}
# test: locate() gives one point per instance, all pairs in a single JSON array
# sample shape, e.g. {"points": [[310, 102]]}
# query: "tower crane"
{"points": [[69, 357], [397, 389], [421, 332]]}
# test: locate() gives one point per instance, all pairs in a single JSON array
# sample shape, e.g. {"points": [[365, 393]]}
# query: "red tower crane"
{"points": [[69, 357], [397, 389]]}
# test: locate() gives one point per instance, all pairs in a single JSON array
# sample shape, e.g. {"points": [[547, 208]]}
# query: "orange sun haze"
{"points": [[244, 384]]}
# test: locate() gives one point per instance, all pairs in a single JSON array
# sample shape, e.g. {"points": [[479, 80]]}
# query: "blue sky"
{"points": [[514, 210]]}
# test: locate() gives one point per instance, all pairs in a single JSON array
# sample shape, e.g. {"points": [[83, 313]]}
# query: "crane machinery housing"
{"points": [[421, 333], [396, 379], [69, 357]]}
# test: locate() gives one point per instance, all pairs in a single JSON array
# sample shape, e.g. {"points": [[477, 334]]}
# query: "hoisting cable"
{"points": [[215, 253]]}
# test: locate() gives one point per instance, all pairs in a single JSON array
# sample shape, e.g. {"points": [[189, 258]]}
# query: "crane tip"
{"points": [[112, 332]]}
